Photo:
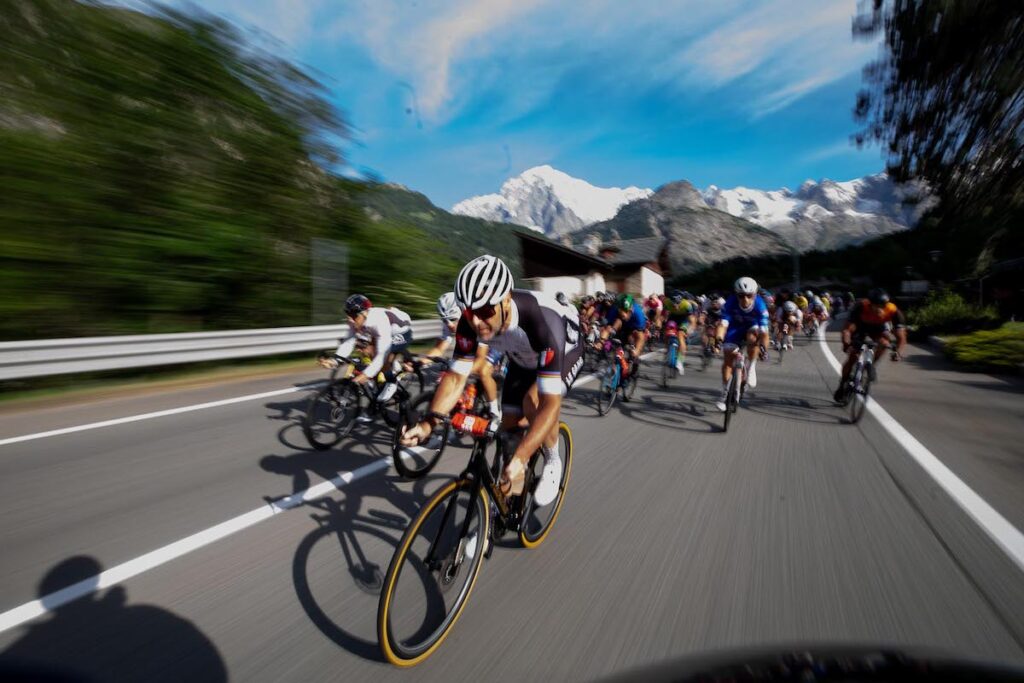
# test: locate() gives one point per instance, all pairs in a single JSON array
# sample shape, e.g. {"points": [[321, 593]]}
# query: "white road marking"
{"points": [[150, 416], [998, 528], [122, 572], [17, 616]]}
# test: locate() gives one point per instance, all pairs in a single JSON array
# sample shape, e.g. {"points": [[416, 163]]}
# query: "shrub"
{"points": [[1000, 350], [950, 313]]}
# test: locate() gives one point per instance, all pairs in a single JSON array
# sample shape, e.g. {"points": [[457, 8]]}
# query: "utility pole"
{"points": [[796, 270]]}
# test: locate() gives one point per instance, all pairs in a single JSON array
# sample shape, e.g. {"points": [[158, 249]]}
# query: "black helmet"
{"points": [[878, 296], [560, 298], [356, 304]]}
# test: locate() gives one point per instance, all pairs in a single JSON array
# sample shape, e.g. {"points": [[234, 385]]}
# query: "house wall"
{"points": [[645, 281], [572, 286]]}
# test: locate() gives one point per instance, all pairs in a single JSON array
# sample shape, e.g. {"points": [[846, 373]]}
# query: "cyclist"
{"points": [[711, 320], [450, 312], [818, 311], [744, 323], [787, 318], [542, 341], [653, 310], [387, 330], [629, 325], [873, 317], [683, 313], [801, 301]]}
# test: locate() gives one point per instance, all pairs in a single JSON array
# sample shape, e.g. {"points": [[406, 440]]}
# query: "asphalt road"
{"points": [[675, 539]]}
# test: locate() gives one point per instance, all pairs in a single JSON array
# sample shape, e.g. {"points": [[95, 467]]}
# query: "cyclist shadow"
{"points": [[102, 636], [365, 542], [796, 409], [681, 415]]}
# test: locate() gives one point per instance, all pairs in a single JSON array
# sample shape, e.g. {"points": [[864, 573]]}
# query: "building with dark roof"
{"points": [[638, 266]]}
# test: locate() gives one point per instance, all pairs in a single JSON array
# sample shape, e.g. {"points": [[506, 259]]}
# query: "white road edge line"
{"points": [[150, 416], [31, 610], [998, 528], [17, 616]]}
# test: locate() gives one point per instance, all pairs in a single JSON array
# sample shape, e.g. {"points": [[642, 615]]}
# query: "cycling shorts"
{"points": [[738, 336]]}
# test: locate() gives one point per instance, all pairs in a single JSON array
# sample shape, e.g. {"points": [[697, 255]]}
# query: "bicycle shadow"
{"points": [[679, 415], [291, 435], [366, 542], [101, 636], [794, 409]]}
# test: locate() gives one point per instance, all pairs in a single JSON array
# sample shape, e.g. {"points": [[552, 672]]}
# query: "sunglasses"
{"points": [[484, 312], [745, 296]]}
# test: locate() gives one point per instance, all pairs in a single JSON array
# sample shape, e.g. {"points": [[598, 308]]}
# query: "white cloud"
{"points": [[788, 48], [838, 149], [449, 50]]}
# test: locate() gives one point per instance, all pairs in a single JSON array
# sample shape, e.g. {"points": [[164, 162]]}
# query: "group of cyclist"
{"points": [[542, 338]]}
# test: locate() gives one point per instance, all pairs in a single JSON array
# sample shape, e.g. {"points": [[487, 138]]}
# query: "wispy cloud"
{"points": [[838, 149], [770, 53]]}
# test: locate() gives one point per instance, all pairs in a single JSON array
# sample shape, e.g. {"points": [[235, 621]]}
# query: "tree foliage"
{"points": [[946, 102], [161, 174]]}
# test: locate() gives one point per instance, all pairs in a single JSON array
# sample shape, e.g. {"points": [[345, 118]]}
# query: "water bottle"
{"points": [[473, 424]]}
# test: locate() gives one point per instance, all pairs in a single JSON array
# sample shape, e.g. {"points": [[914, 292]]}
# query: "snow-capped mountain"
{"points": [[827, 214], [549, 201]]}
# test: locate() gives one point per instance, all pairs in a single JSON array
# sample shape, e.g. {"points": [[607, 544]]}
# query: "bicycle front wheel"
{"points": [[331, 414], [731, 400], [414, 462], [606, 393], [433, 572], [859, 399], [411, 387], [537, 521]]}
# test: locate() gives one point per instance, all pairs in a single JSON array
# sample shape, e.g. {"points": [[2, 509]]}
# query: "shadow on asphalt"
{"points": [[359, 525], [793, 408], [101, 637], [362, 544]]}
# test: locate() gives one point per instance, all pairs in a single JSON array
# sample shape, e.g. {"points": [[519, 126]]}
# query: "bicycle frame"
{"points": [[478, 471]]}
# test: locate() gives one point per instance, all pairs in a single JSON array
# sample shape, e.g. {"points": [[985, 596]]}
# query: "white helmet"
{"points": [[789, 307], [719, 302], [745, 285], [484, 281], [447, 307]]}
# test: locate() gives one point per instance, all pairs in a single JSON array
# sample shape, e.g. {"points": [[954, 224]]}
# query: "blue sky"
{"points": [[450, 97]]}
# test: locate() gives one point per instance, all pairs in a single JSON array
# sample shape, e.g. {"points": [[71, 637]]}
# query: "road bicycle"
{"points": [[439, 557]]}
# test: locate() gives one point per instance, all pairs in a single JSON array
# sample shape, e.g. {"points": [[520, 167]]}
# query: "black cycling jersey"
{"points": [[542, 342]]}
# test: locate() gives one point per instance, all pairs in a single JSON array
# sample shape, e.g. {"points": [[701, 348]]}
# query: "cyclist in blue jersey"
{"points": [[628, 323], [744, 322]]}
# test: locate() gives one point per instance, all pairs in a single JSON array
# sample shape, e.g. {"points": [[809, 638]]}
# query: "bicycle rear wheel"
{"points": [[537, 521], [433, 572], [859, 397], [331, 414], [415, 462]]}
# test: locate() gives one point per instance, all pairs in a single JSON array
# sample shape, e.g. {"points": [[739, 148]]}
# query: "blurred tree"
{"points": [[946, 101]]}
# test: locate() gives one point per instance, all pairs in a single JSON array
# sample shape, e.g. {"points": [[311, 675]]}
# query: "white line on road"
{"points": [[17, 616], [999, 529], [150, 416], [122, 572]]}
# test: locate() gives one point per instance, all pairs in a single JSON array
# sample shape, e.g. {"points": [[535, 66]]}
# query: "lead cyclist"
{"points": [[543, 344]]}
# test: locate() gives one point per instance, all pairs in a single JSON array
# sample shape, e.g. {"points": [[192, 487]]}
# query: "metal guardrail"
{"points": [[39, 358]]}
